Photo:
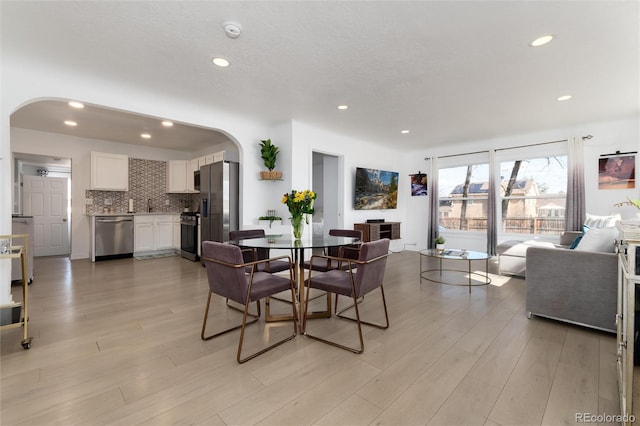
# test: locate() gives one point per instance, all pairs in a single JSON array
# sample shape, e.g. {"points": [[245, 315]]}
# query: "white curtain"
{"points": [[434, 202], [575, 207]]}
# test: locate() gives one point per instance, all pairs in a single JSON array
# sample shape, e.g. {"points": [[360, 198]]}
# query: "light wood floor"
{"points": [[118, 342]]}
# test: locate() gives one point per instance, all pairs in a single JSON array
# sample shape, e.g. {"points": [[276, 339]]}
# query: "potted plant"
{"points": [[269, 153], [630, 202], [439, 243], [269, 219]]}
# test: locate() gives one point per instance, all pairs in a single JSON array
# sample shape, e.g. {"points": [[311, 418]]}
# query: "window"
{"points": [[533, 193], [463, 197]]}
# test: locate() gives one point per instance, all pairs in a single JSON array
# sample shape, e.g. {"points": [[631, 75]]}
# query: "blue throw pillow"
{"points": [[575, 242]]}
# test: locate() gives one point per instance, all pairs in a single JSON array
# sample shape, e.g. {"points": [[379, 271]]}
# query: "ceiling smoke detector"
{"points": [[232, 29]]}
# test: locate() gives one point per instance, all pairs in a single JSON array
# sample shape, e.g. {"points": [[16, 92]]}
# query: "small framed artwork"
{"points": [[418, 185], [617, 172]]}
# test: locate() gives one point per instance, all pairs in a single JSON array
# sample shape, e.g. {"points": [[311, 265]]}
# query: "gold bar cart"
{"points": [[9, 250]]}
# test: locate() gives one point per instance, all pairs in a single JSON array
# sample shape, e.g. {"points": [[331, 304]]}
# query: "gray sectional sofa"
{"points": [[575, 286]]}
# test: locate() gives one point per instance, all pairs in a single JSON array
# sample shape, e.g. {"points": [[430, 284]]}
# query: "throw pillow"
{"points": [[593, 221], [599, 239], [575, 242]]}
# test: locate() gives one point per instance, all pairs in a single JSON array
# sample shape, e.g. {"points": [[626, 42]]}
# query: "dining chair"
{"points": [[352, 282], [259, 253], [350, 251], [226, 272]]}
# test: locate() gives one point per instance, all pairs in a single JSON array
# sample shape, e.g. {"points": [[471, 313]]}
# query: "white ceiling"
{"points": [[449, 71]]}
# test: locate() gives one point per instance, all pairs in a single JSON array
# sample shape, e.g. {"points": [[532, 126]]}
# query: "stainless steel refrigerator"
{"points": [[219, 193]]}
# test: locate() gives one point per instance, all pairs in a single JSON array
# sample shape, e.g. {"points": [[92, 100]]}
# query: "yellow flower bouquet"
{"points": [[300, 203]]}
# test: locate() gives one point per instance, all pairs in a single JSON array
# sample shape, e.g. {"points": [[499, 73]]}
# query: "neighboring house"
{"points": [[523, 215]]}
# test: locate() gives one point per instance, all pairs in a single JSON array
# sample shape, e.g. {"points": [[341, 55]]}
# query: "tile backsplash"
{"points": [[147, 181]]}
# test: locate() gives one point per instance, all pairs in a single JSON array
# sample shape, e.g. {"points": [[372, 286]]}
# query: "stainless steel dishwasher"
{"points": [[114, 237]]}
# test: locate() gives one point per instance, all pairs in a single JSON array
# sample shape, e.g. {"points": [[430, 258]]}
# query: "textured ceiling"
{"points": [[449, 71]]}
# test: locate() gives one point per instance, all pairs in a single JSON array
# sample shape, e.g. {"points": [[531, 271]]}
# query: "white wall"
{"points": [[356, 153]]}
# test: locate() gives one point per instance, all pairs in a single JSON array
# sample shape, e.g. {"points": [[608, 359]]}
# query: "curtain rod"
{"points": [[618, 153], [514, 147]]}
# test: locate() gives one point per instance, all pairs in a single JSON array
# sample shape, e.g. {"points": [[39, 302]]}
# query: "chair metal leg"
{"points": [[384, 304], [338, 345], [357, 319], [206, 315], [278, 343]]}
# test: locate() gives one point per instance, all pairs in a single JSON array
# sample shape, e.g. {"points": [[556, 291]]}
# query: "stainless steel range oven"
{"points": [[189, 236]]}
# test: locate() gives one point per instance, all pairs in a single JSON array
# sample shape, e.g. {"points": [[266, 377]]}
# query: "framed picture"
{"points": [[617, 172], [418, 185], [375, 189]]}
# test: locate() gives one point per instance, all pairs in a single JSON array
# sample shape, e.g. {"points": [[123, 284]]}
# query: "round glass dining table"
{"points": [[297, 248]]}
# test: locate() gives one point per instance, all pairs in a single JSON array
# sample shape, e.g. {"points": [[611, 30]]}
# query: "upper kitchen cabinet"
{"points": [[109, 172], [177, 175], [180, 175]]}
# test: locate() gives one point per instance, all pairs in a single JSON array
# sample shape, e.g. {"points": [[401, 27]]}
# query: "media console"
{"points": [[372, 231]]}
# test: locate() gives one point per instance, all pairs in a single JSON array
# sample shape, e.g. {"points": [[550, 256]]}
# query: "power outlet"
{"points": [[88, 201]]}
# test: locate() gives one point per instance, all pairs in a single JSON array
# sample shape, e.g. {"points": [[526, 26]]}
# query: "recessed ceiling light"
{"points": [[70, 123], [221, 62], [167, 123], [343, 107], [564, 98], [541, 41], [404, 132], [75, 104], [145, 136]]}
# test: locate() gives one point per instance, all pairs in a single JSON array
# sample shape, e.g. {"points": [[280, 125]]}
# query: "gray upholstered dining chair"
{"points": [[259, 253], [226, 271], [350, 251], [354, 283]]}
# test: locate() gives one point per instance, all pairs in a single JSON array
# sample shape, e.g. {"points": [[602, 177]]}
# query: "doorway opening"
{"points": [[328, 183], [42, 190]]}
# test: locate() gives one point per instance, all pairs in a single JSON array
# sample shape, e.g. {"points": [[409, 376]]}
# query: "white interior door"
{"points": [[46, 199]]}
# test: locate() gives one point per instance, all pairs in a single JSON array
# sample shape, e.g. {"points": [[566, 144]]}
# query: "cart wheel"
{"points": [[26, 344]]}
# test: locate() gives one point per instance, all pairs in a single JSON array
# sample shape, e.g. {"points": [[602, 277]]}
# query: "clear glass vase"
{"points": [[297, 222]]}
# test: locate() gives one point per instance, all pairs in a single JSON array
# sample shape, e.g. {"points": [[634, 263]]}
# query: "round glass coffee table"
{"points": [[435, 275]]}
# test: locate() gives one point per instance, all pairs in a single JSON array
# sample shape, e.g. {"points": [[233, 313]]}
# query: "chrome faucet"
{"points": [[149, 206]]}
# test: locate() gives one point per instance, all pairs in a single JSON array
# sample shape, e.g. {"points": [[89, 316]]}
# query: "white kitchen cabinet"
{"points": [[177, 176], [155, 233], [143, 234], [109, 172], [176, 232], [163, 232], [218, 156], [180, 175]]}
